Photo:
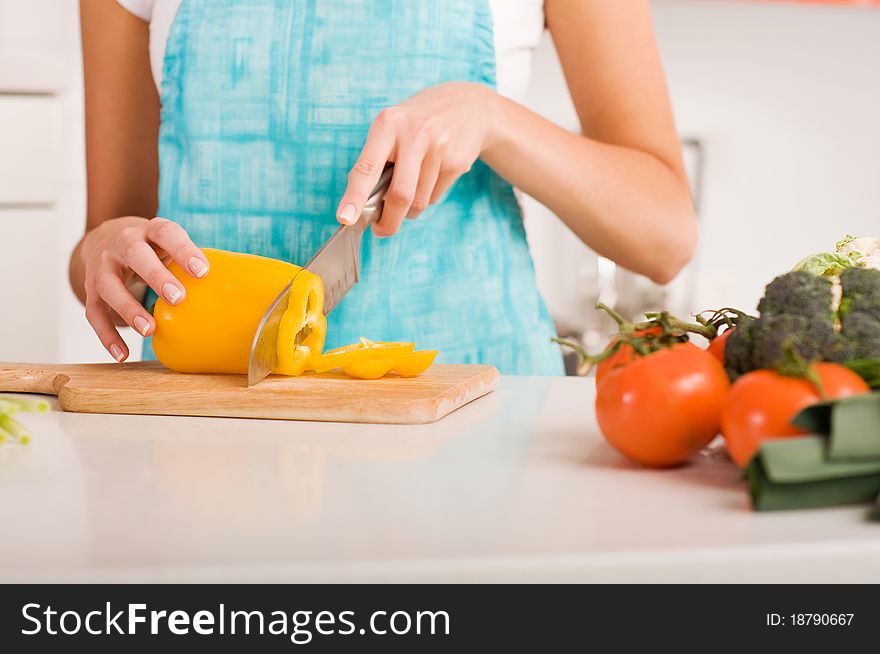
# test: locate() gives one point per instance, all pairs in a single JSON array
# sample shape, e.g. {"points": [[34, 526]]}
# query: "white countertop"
{"points": [[517, 486]]}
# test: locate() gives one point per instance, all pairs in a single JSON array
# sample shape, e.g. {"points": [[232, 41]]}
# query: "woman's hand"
{"points": [[121, 254], [433, 138]]}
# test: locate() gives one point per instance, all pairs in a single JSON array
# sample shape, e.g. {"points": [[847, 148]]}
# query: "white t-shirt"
{"points": [[519, 25]]}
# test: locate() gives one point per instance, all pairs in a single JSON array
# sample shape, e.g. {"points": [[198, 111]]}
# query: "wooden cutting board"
{"points": [[150, 389]]}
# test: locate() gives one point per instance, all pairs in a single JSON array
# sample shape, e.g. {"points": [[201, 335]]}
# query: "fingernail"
{"points": [[198, 267], [171, 293], [142, 325], [117, 353], [347, 214]]}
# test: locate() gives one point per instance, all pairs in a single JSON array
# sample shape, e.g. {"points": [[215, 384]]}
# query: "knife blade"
{"points": [[264, 351], [337, 263]]}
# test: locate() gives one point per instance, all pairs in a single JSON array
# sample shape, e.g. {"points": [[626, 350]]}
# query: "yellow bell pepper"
{"points": [[405, 365], [358, 352], [213, 329], [303, 326], [415, 363]]}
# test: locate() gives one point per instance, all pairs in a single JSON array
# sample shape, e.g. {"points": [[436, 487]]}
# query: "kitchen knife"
{"points": [[337, 263]]}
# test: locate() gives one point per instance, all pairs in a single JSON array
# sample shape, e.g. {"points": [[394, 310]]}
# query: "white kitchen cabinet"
{"points": [[31, 151], [28, 285], [29, 143], [40, 125]]}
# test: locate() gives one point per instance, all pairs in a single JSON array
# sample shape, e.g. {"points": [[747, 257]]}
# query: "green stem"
{"points": [[27, 405], [727, 316], [794, 365], [675, 324], [7, 408], [625, 326], [14, 429], [813, 377], [589, 360], [573, 346]]}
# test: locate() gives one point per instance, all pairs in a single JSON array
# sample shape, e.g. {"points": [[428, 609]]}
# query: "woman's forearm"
{"points": [[624, 203]]}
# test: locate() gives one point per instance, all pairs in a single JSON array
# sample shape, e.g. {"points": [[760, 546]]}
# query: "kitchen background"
{"points": [[777, 103]]}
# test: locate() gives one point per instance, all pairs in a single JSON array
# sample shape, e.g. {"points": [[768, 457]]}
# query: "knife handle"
{"points": [[373, 207]]}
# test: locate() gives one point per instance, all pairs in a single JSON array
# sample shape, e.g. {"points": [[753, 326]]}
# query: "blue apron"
{"points": [[265, 107]]}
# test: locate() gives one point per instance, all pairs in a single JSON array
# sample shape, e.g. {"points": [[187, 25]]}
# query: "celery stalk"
{"points": [[26, 405], [10, 427]]}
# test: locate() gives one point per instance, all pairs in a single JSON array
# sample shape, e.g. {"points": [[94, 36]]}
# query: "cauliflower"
{"points": [[864, 250], [851, 252]]}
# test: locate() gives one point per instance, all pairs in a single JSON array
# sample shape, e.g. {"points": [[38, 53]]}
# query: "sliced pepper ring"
{"points": [[303, 326], [358, 353], [406, 365], [415, 363]]}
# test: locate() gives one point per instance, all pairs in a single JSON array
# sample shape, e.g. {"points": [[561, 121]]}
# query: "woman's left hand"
{"points": [[433, 138]]}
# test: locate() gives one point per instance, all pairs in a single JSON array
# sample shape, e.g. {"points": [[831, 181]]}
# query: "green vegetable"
{"points": [[798, 293], [859, 339], [867, 369], [846, 240], [827, 264], [860, 292], [865, 250], [838, 464], [774, 334], [26, 405], [739, 350], [850, 425], [835, 483], [8, 408], [796, 318], [858, 343], [11, 429], [850, 252]]}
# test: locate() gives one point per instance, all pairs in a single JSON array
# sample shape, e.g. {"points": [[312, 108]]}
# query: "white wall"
{"points": [[786, 99]]}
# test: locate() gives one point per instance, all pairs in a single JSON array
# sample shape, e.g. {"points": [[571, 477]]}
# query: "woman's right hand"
{"points": [[120, 254]]}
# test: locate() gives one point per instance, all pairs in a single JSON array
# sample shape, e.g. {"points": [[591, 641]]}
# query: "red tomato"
{"points": [[716, 347], [762, 403], [663, 408], [623, 357]]}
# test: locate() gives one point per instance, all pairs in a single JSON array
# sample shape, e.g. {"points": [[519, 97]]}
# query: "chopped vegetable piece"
{"points": [[26, 405], [370, 369], [8, 408], [794, 474], [358, 352], [303, 326], [14, 430], [415, 363], [407, 365]]}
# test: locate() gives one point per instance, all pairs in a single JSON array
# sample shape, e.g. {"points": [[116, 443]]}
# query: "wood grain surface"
{"points": [[148, 388]]}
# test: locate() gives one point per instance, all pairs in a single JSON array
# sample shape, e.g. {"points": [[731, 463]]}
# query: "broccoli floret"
{"points": [[810, 338], [798, 293], [859, 338], [738, 350], [797, 314], [860, 292], [797, 317]]}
